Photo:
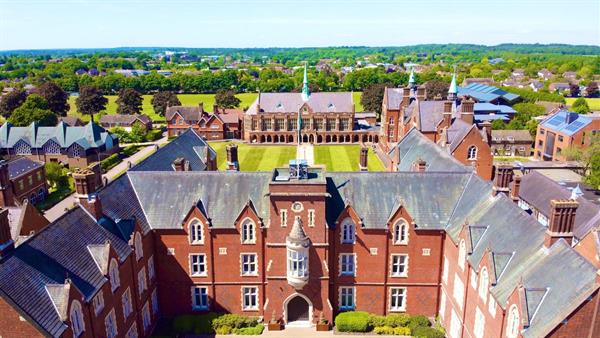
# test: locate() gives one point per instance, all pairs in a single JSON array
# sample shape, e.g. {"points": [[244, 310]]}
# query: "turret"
{"points": [[297, 244], [453, 90], [412, 83]]}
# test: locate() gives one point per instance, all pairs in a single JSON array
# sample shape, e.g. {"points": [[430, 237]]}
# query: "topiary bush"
{"points": [[397, 320], [250, 331], [353, 321], [418, 321], [427, 332]]}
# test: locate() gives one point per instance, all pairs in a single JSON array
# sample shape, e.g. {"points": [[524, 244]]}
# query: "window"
{"points": [[344, 125], [51, 148], [248, 235], [462, 253], [512, 324], [560, 138], [283, 214], [76, 316], [347, 298], [39, 176], [75, 150], [199, 298], [139, 250], [279, 124], [132, 333], [249, 265], [443, 305], [492, 306], [126, 302], [30, 180], [98, 302], [297, 264], [398, 299], [110, 323], [479, 326], [445, 271], [472, 153], [154, 299], [347, 266], [459, 291], [115, 281], [196, 232], [348, 232], [22, 148], [250, 298], [401, 232], [197, 265], [455, 325], [473, 279], [142, 281], [483, 284], [146, 317], [21, 185], [399, 265], [151, 272], [311, 218]]}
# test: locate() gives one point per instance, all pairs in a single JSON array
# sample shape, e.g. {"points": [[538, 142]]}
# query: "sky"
{"points": [[45, 24]]}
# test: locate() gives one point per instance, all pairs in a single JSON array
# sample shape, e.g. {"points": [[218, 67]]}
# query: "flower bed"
{"points": [[395, 324]]}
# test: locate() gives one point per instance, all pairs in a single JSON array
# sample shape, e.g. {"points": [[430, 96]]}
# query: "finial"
{"points": [[305, 90]]}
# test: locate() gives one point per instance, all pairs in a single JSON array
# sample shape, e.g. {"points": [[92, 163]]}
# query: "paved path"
{"points": [[68, 202], [306, 151]]}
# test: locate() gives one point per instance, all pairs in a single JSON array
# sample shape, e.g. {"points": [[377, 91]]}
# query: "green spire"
{"points": [[453, 88], [305, 91], [411, 79]]}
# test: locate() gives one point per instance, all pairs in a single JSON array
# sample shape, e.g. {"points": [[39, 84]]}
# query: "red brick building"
{"points": [[216, 125], [22, 179], [298, 242]]}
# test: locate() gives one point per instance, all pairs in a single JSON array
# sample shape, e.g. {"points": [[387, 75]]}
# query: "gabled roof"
{"points": [[22, 166], [189, 113], [322, 102], [566, 122], [124, 119], [511, 136]]}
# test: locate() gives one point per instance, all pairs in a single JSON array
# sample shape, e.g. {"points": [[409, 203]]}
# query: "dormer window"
{"points": [[331, 106], [348, 231], [279, 105], [483, 284], [248, 233], [472, 153], [76, 316], [512, 324], [196, 232], [115, 281], [401, 232]]}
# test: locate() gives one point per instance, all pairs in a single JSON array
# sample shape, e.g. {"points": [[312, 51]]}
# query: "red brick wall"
{"points": [[579, 323], [484, 161], [12, 325]]}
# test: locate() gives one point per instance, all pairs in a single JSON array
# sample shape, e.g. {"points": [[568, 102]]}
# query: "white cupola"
{"points": [[297, 244]]}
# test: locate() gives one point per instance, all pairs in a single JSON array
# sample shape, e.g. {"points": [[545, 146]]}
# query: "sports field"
{"points": [[186, 100], [594, 103], [266, 157]]}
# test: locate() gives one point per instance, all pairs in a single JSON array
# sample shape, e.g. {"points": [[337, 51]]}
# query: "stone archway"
{"points": [[305, 138], [319, 139], [311, 138], [298, 310]]}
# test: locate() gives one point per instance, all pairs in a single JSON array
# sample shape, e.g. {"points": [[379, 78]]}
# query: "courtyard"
{"points": [[267, 157]]}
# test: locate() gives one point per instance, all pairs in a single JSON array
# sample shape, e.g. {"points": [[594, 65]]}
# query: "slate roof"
{"points": [[124, 119], [89, 136], [394, 97], [47, 259], [566, 122], [189, 113], [485, 93], [537, 190], [320, 102], [21, 166], [511, 136], [188, 145], [480, 107]]}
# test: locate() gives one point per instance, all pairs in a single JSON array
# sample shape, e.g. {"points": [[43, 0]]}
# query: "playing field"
{"points": [[265, 158], [593, 103], [186, 100]]}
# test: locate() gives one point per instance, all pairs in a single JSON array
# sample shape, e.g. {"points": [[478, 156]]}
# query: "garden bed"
{"points": [[358, 322], [209, 323]]}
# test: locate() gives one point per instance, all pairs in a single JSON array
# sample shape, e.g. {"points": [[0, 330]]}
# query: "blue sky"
{"points": [[35, 24]]}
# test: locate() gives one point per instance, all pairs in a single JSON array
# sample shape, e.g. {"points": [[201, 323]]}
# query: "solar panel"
{"points": [[573, 127], [555, 120]]}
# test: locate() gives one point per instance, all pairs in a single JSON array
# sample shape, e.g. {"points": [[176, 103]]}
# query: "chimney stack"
{"points": [[96, 168], [201, 105], [504, 174], [215, 108], [516, 187], [405, 96], [6, 241], [232, 157], [364, 155], [85, 191], [181, 164], [447, 121], [467, 111], [420, 165], [7, 195], [421, 93], [487, 127], [562, 219]]}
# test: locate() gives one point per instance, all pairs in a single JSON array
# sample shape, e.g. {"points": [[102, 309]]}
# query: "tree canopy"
{"points": [[372, 97], [162, 100], [90, 101], [12, 101], [580, 106], [55, 96], [226, 99], [34, 109], [129, 102]]}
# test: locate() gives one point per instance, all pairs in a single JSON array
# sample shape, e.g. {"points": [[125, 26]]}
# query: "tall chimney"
{"points": [[97, 169], [487, 127], [405, 97], [215, 108], [232, 157], [562, 219], [421, 93], [447, 121], [504, 174], [6, 241], [85, 191], [516, 187], [181, 164], [7, 195], [467, 108], [201, 105], [364, 155]]}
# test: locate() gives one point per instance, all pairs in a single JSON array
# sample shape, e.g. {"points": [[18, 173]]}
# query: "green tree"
{"points": [[580, 106], [226, 99], [437, 88], [162, 100], [55, 175], [589, 156], [55, 96], [592, 89], [129, 101], [372, 97], [11, 101], [34, 109], [90, 101]]}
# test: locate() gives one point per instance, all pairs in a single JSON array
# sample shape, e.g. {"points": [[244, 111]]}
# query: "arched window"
{"points": [[51, 148], [462, 254], [115, 281], [196, 232], [401, 232], [139, 250], [348, 231], [472, 153], [22, 148], [76, 316], [512, 324], [484, 281], [248, 233]]}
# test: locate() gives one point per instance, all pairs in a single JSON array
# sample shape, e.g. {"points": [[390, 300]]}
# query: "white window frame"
{"points": [[253, 263], [347, 263], [154, 301], [76, 317], [458, 291], [473, 279], [139, 249], [399, 264], [483, 284], [146, 317], [445, 270], [348, 232], [201, 265], [347, 293], [297, 263], [443, 300], [98, 302], [492, 306], [132, 332], [472, 152], [401, 232], [512, 324], [197, 291], [249, 296], [311, 218], [126, 303], [283, 213], [462, 254], [248, 232], [110, 324], [398, 294], [479, 324], [113, 271], [196, 229]]}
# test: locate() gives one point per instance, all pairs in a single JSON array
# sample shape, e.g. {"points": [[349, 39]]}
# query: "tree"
{"points": [[226, 99], [162, 100], [34, 109], [129, 101], [11, 101], [589, 156], [592, 89], [372, 97], [580, 106], [574, 90], [90, 101], [437, 88], [55, 96], [55, 174]]}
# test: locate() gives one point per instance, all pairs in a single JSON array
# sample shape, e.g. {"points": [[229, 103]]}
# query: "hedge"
{"points": [[153, 135], [210, 323], [388, 330], [250, 331], [198, 324], [418, 321], [427, 332], [110, 162], [353, 321], [395, 320], [234, 321]]}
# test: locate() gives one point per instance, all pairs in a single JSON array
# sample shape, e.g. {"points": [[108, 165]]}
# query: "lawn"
{"points": [[267, 157], [593, 103]]}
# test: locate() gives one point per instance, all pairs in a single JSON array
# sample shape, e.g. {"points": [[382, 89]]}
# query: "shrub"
{"points": [[418, 321], [130, 150], [427, 332], [203, 323], [354, 321], [110, 162], [388, 330], [377, 321], [399, 320], [234, 321], [153, 135], [250, 331], [198, 324], [223, 330], [183, 324]]}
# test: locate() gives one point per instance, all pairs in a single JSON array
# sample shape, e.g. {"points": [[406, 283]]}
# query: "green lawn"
{"points": [[356, 98], [265, 158], [593, 103]]}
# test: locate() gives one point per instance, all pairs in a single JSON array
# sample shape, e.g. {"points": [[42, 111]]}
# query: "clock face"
{"points": [[297, 207]]}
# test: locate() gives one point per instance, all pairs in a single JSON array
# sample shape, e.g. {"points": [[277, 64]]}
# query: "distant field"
{"points": [[593, 103], [186, 100]]}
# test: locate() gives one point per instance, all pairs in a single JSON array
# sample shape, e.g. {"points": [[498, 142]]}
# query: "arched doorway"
{"points": [[305, 138], [311, 138], [319, 139], [298, 310]]}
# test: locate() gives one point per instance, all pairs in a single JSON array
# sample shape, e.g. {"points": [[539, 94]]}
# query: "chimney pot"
{"points": [[504, 175], [420, 165], [562, 219], [467, 111], [181, 164], [85, 189], [516, 187]]}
